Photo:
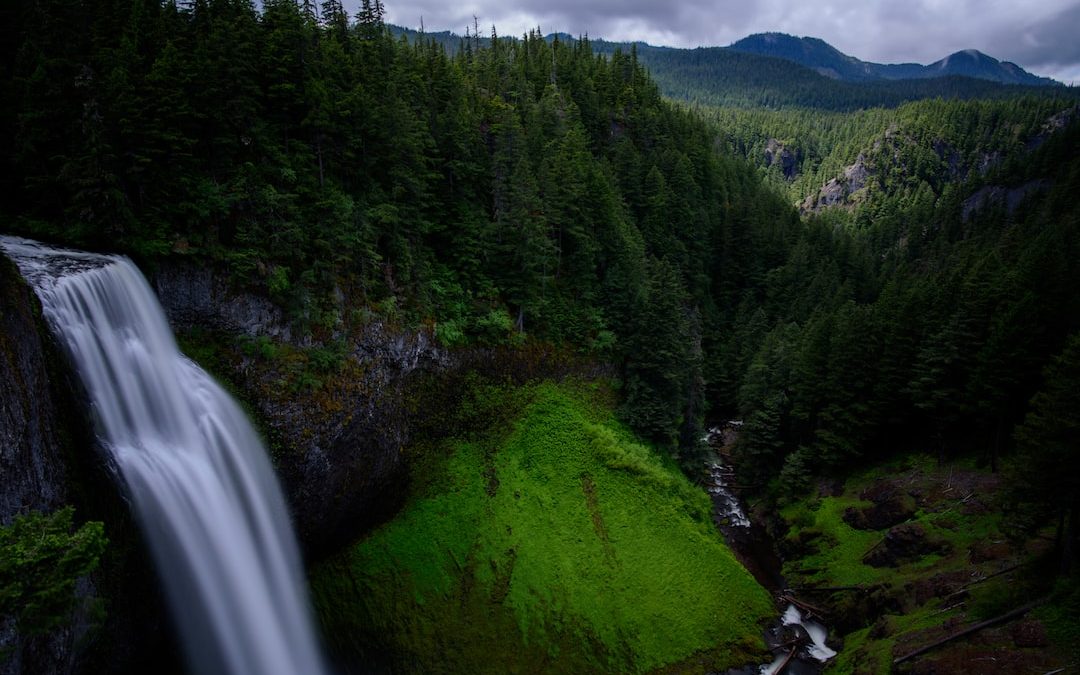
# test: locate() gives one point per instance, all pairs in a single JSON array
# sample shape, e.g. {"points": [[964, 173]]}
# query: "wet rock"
{"points": [[32, 456], [338, 447], [782, 637], [342, 465], [48, 460]]}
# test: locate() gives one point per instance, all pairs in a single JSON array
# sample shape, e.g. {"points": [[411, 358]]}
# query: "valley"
{"points": [[487, 300]]}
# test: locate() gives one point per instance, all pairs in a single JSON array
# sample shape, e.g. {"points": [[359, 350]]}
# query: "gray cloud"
{"points": [[1040, 35]]}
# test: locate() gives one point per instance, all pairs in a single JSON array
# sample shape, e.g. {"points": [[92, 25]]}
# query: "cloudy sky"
{"points": [[1043, 36]]}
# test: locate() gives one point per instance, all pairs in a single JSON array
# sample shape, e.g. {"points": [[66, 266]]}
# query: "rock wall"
{"points": [[48, 459], [337, 448], [31, 461]]}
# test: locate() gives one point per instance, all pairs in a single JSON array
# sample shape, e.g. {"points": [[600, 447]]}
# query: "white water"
{"points": [[817, 649], [198, 477], [724, 500]]}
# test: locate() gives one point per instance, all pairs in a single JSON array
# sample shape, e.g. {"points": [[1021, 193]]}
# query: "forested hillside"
{"points": [[932, 312], [884, 155], [530, 190]]}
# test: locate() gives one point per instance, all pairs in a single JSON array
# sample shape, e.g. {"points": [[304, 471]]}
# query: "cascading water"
{"points": [[198, 477]]}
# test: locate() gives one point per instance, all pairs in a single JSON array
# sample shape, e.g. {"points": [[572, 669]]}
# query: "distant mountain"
{"points": [[973, 63], [727, 77], [822, 57], [732, 77]]}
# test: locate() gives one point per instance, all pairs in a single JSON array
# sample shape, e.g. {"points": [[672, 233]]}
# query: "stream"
{"points": [[755, 550]]}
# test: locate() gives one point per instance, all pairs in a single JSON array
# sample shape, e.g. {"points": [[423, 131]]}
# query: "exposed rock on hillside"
{"points": [[777, 153], [841, 191], [32, 458]]}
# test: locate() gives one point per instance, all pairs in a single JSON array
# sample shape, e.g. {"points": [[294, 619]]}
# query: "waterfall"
{"points": [[196, 474]]}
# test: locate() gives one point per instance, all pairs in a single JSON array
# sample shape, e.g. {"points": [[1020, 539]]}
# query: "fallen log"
{"points": [[1019, 611], [964, 589], [831, 589], [805, 606], [785, 662], [950, 608]]}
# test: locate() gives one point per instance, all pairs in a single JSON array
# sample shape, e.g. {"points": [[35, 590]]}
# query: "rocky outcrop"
{"points": [[840, 191], [889, 506], [788, 161], [343, 467], [31, 460], [903, 543]]}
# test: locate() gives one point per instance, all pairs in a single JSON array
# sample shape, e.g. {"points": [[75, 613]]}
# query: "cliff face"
{"points": [[31, 461], [48, 459], [337, 448], [336, 444]]}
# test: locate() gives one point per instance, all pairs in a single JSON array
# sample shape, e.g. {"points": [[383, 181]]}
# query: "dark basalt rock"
{"points": [[48, 459], [32, 460], [338, 449], [345, 477]]}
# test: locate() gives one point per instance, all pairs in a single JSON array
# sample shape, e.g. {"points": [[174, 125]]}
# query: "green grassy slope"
{"points": [[558, 545]]}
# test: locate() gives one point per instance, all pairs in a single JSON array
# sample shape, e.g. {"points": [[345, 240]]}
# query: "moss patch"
{"points": [[559, 545]]}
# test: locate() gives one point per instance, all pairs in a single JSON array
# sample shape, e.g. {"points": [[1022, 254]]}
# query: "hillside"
{"points": [[554, 530]]}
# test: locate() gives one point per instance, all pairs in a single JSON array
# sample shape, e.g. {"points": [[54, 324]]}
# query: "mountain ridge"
{"points": [[820, 56]]}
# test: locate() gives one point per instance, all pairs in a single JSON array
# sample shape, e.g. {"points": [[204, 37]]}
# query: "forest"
{"points": [[854, 271]]}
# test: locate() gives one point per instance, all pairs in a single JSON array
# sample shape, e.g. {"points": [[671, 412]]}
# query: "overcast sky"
{"points": [[1043, 36]]}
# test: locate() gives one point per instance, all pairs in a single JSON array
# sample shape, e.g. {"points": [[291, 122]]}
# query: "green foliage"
{"points": [[42, 556], [1045, 470], [555, 543], [915, 321]]}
